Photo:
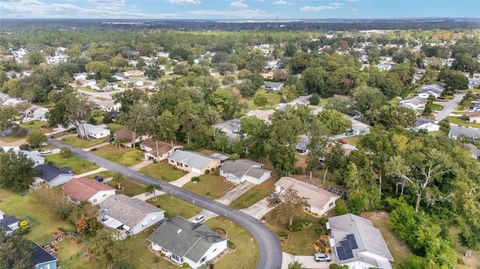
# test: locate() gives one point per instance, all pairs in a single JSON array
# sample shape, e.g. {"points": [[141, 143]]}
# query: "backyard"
{"points": [[123, 156], [210, 185], [83, 143], [174, 206], [74, 163], [162, 171], [254, 195]]}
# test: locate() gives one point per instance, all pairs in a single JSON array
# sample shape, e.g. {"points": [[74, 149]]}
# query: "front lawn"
{"points": [[210, 185], [352, 140], [254, 195], [162, 171], [43, 125], [130, 187], [245, 255], [174, 206], [123, 156], [458, 121], [272, 97], [84, 143], [113, 127], [436, 107], [104, 174], [74, 163]]}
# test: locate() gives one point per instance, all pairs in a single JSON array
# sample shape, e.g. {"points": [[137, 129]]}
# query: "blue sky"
{"points": [[238, 9]]}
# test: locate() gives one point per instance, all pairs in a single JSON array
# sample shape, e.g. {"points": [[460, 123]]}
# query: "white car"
{"points": [[322, 257], [199, 219]]}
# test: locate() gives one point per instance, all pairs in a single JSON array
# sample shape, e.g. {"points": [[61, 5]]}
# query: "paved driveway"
{"points": [[184, 180], [270, 252], [306, 261], [448, 107], [259, 209]]}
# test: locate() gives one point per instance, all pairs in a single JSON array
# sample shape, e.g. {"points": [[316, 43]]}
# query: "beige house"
{"points": [[319, 200], [474, 117], [193, 161], [157, 150]]}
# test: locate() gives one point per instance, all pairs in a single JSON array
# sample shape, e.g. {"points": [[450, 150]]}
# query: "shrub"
{"points": [[283, 235], [340, 207], [231, 245], [195, 179], [314, 100], [300, 225], [65, 152], [25, 147]]}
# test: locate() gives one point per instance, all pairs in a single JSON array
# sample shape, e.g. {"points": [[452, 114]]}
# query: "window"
{"points": [[331, 204], [94, 200], [203, 259]]}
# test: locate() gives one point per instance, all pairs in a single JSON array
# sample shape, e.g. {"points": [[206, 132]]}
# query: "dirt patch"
{"points": [[15, 143]]}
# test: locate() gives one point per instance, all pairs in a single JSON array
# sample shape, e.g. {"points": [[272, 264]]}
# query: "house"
{"points": [[319, 200], [473, 150], [474, 107], [86, 190], [40, 114], [133, 73], [129, 215], [385, 66], [8, 224], [356, 243], [434, 90], [221, 157], [359, 127], [95, 131], [157, 150], [302, 145], [300, 101], [231, 128], [42, 259], [126, 137], [261, 114], [52, 175], [193, 161], [272, 86], [474, 117], [239, 171], [473, 82], [184, 242], [33, 155], [458, 131], [425, 124], [415, 103], [80, 76]]}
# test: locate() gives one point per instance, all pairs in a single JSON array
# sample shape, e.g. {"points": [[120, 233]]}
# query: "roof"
{"points": [[316, 196], [354, 235], [473, 114], [124, 134], [240, 168], [129, 211], [192, 159], [163, 147], [40, 255], [185, 239], [432, 88], [82, 189], [416, 101], [6, 221], [49, 172], [473, 149], [457, 131], [303, 143], [261, 114], [271, 84], [420, 122]]}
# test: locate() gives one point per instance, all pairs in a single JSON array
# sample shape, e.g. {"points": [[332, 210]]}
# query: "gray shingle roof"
{"points": [[456, 131], [6, 221], [185, 239], [49, 172], [192, 159], [239, 167], [129, 211]]}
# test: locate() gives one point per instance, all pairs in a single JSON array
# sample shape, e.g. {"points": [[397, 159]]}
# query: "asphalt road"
{"points": [[270, 256], [448, 107]]}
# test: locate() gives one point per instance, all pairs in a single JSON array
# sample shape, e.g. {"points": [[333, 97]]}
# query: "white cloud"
{"points": [[329, 6], [240, 13], [181, 2], [281, 2], [239, 4]]}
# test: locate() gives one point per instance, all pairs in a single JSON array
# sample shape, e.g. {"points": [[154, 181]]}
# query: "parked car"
{"points": [[111, 140], [45, 152], [322, 257], [199, 219], [99, 178], [349, 133], [341, 141]]}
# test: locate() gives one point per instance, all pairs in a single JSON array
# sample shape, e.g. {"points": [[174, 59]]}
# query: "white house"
{"points": [[458, 131], [434, 90], [272, 86], [51, 175], [95, 131], [193, 161], [415, 103], [319, 200], [129, 215], [239, 171], [40, 114], [428, 125], [356, 243], [87, 190], [185, 242], [8, 223], [157, 150], [33, 155]]}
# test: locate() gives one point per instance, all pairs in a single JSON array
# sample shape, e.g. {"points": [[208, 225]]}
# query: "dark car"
{"points": [[99, 178]]}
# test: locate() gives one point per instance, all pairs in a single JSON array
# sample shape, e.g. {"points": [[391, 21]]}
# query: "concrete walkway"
{"points": [[141, 165], [259, 209], [184, 180], [101, 169], [96, 146], [307, 261], [146, 196], [235, 192]]}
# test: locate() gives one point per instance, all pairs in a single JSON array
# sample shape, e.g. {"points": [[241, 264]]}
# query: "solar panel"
{"points": [[341, 253], [352, 241], [348, 253]]}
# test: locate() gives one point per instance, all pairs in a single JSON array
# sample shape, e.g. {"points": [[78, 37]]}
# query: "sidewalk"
{"points": [[96, 146], [184, 180], [146, 196], [139, 166], [235, 192], [101, 169]]}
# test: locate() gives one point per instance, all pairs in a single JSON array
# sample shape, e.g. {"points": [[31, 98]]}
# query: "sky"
{"points": [[237, 9]]}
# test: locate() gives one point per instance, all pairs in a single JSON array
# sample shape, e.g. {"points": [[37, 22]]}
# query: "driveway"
{"points": [[184, 180], [448, 107], [270, 251], [235, 192], [306, 261], [259, 209], [99, 170]]}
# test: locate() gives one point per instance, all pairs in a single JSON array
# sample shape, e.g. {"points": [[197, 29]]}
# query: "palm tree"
{"points": [[117, 180], [150, 189]]}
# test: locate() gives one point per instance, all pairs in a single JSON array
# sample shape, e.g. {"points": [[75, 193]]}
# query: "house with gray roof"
{"points": [[129, 215], [457, 131], [302, 145], [8, 224], [193, 161], [434, 90], [356, 243], [239, 171], [51, 175], [231, 128], [272, 86], [184, 242], [415, 103]]}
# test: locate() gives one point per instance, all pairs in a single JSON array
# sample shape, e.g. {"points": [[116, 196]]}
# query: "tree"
{"points": [[72, 109], [128, 98], [254, 134], [36, 138], [106, 250], [314, 100], [454, 80], [334, 121], [101, 70], [7, 114], [88, 226], [260, 100], [136, 120], [54, 201], [367, 98], [65, 152], [117, 179], [291, 207], [223, 101], [151, 188], [16, 171], [154, 71], [332, 158], [392, 116], [35, 57], [295, 265], [15, 251], [318, 138]]}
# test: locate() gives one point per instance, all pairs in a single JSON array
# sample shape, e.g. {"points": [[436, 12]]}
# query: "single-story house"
{"points": [[219, 156], [434, 90], [457, 131], [186, 242], [8, 224], [385, 66], [356, 243], [359, 127], [261, 114], [40, 114], [239, 171], [415, 103], [127, 136], [473, 150], [425, 124], [302, 145], [157, 150], [33, 155], [135, 73], [129, 215], [319, 200], [193, 161], [231, 128], [300, 101], [52, 175], [474, 117], [95, 131], [474, 107], [42, 259], [86, 190], [272, 86]]}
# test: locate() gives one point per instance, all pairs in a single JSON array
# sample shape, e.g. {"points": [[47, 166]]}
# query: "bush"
{"points": [[314, 100], [25, 147], [195, 179], [283, 235], [300, 225], [340, 207], [231, 245], [65, 152]]}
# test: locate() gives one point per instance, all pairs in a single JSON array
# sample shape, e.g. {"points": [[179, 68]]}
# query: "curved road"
{"points": [[269, 247]]}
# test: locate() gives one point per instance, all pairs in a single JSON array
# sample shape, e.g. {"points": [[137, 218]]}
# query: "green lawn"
{"points": [[298, 243], [162, 171], [12, 138], [34, 124], [245, 256], [84, 143], [352, 140], [254, 195], [70, 254], [113, 127], [104, 174], [438, 133], [273, 99], [436, 107], [210, 185], [130, 187], [459, 121], [76, 164], [174, 206], [123, 156]]}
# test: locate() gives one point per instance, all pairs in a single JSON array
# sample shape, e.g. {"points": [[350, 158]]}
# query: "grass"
{"points": [[12, 138], [298, 243], [84, 143], [162, 171], [461, 122], [70, 254], [113, 127], [130, 187], [210, 185], [254, 195], [436, 107], [104, 174], [272, 97], [34, 124], [438, 133], [352, 140], [123, 156], [76, 164], [174, 206], [245, 255], [471, 261]]}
